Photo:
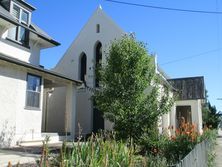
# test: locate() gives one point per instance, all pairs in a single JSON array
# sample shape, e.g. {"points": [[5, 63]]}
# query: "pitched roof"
{"points": [[40, 31], [4, 13], [27, 4]]}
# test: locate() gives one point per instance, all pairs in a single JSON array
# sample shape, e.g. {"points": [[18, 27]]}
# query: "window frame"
{"points": [[39, 92], [17, 38]]}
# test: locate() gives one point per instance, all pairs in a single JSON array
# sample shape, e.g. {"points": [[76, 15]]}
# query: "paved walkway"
{"points": [[14, 157], [25, 154], [218, 150]]}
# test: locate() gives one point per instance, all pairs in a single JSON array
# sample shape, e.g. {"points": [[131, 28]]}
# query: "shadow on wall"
{"points": [[6, 135]]}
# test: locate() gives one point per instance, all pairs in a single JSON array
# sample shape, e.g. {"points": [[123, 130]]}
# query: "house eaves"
{"points": [[27, 4], [37, 68]]}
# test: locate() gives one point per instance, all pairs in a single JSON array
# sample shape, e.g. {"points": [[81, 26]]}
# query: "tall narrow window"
{"points": [[98, 60], [33, 91], [83, 66], [97, 28]]}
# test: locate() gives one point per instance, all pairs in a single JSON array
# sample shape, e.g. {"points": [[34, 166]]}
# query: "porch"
{"points": [[59, 125]]}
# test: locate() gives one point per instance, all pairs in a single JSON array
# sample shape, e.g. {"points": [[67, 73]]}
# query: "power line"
{"points": [[190, 57], [165, 8]]}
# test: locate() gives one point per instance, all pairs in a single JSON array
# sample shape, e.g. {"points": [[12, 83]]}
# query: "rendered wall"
{"points": [[56, 111], [22, 123], [30, 55], [196, 111]]}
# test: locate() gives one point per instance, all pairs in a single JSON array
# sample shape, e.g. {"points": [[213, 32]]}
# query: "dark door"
{"points": [[98, 120]]}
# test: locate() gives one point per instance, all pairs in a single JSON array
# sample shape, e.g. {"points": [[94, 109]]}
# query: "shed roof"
{"points": [[190, 88]]}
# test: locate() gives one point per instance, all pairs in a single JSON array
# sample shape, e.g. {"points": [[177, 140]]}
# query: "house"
{"points": [[25, 84], [79, 62]]}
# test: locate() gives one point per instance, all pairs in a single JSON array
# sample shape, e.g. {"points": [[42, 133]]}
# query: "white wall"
{"points": [[29, 55], [84, 118], [56, 111], [69, 64], [196, 111], [26, 124]]}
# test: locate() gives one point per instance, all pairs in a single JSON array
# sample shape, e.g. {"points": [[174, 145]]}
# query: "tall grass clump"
{"points": [[95, 152]]}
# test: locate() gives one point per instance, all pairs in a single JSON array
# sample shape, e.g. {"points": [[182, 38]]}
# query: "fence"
{"points": [[197, 157]]}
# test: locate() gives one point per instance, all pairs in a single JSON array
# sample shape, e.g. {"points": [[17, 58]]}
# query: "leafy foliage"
{"points": [[180, 144], [98, 150], [131, 94], [211, 118]]}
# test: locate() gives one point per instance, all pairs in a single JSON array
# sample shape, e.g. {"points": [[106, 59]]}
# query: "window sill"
{"points": [[18, 43], [32, 108]]}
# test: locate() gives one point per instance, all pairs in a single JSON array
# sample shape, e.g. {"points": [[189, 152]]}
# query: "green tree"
{"points": [[131, 94], [211, 118]]}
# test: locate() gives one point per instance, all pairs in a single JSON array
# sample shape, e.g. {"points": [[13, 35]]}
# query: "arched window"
{"points": [[83, 66], [98, 51]]}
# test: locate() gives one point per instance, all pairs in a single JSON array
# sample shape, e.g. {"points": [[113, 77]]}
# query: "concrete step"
{"points": [[53, 138]]}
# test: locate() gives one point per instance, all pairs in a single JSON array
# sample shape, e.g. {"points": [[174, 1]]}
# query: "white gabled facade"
{"points": [[99, 29]]}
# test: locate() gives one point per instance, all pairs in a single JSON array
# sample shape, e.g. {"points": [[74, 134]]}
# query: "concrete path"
{"points": [[14, 157], [218, 150]]}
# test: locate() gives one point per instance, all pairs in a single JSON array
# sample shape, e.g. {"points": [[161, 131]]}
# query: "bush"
{"points": [[180, 144], [152, 143]]}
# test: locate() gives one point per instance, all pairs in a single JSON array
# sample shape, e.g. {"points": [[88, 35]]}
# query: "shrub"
{"points": [[179, 145], [152, 143]]}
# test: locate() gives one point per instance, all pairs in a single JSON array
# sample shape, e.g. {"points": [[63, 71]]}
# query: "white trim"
{"points": [[20, 14]]}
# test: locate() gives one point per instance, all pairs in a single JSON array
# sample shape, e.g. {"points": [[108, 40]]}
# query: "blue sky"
{"points": [[171, 35]]}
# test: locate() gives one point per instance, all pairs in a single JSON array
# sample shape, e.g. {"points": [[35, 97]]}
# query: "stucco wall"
{"points": [[26, 124], [69, 64], [196, 111], [29, 55], [83, 117], [56, 111]]}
